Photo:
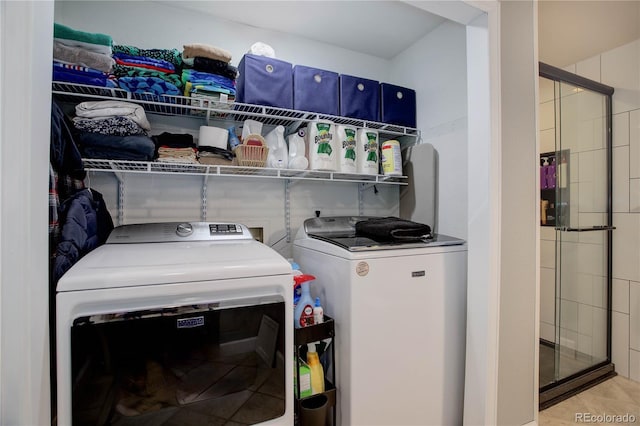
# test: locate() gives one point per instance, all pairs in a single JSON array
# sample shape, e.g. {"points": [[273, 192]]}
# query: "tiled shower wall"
{"points": [[619, 68]]}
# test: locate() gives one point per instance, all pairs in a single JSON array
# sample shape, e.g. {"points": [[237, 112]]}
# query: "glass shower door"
{"points": [[583, 229]]}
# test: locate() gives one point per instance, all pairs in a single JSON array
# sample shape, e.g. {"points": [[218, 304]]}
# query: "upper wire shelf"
{"points": [[201, 107], [157, 167]]}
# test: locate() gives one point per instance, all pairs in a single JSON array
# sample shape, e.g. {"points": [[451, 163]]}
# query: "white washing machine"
{"points": [[176, 324], [400, 313]]}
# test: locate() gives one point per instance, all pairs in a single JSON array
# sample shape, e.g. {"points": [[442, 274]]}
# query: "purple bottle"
{"points": [[551, 174], [543, 173]]}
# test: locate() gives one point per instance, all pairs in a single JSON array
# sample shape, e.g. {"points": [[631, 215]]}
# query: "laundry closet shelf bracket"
{"points": [[361, 188], [203, 214], [287, 208]]}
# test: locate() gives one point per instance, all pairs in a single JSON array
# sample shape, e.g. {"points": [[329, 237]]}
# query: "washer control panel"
{"points": [[178, 231]]}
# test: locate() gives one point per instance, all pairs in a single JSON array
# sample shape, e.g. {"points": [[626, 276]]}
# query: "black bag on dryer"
{"points": [[392, 229]]}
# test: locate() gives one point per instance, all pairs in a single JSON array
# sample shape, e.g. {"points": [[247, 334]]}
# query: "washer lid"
{"points": [[341, 231], [129, 265]]}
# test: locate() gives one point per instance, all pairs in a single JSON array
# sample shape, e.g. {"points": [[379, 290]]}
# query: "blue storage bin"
{"points": [[398, 105], [315, 90], [359, 98], [265, 81]]}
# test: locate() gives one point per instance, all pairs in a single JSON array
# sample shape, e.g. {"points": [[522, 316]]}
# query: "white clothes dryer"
{"points": [[176, 324], [400, 312]]}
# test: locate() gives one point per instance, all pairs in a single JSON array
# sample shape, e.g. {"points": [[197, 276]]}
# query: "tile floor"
{"points": [[614, 401]]}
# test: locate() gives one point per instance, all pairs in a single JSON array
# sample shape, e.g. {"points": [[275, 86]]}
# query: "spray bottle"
{"points": [[303, 313]]}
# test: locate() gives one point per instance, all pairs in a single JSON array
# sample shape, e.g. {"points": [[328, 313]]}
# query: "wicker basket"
{"points": [[251, 155]]}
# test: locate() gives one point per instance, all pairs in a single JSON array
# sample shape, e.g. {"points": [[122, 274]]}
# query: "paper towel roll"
{"points": [[213, 137]]}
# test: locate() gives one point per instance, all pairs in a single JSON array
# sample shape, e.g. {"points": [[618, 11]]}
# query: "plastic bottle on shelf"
{"points": [[297, 150], [561, 172], [278, 157], [317, 372], [318, 312], [551, 173], [303, 313], [297, 291], [303, 374], [233, 138], [543, 173]]}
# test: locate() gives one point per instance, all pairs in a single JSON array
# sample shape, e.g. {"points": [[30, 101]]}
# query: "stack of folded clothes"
{"points": [[113, 130], [154, 71], [175, 148], [82, 57], [208, 73]]}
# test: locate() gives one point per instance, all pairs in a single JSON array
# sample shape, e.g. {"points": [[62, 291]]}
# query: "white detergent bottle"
{"points": [[346, 136], [323, 150], [303, 313], [278, 156], [367, 151], [297, 150]]}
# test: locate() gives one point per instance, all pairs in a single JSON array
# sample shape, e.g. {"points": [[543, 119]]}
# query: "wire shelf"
{"points": [[211, 109], [156, 167]]}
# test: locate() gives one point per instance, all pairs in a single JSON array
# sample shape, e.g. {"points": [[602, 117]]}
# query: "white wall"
{"points": [[25, 87], [159, 25], [442, 55], [517, 381]]}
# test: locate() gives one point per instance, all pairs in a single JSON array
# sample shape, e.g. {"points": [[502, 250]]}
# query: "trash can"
{"points": [[313, 410]]}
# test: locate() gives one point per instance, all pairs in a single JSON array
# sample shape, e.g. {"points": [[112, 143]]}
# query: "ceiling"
{"points": [[571, 31], [568, 30], [349, 24]]}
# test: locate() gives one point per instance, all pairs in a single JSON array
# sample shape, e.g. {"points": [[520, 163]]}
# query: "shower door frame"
{"points": [[568, 386]]}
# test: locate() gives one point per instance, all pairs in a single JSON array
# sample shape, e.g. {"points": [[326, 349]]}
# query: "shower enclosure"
{"points": [[575, 234]]}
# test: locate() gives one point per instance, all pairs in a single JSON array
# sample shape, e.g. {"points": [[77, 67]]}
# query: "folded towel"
{"points": [[71, 76], [214, 66], [103, 109], [170, 55], [206, 51], [128, 71], [154, 85], [62, 31], [78, 69], [95, 48], [109, 147], [117, 125], [78, 56], [145, 60], [199, 79], [392, 229]]}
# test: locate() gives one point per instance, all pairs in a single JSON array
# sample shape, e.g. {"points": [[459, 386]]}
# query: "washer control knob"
{"points": [[184, 229]]}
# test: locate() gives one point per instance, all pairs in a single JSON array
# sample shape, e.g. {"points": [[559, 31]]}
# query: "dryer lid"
{"points": [[178, 231]]}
